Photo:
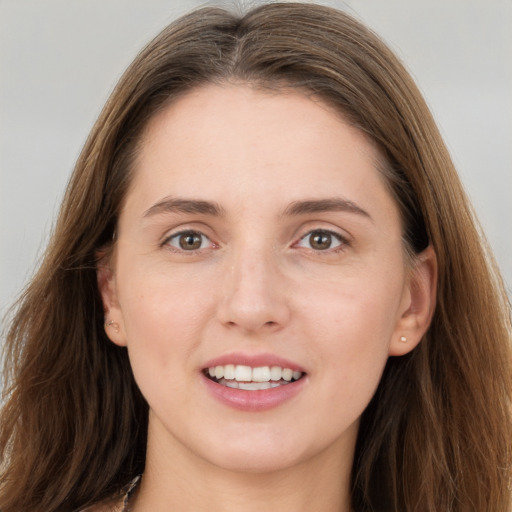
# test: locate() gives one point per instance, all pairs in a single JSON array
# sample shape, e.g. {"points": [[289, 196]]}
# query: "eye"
{"points": [[188, 241], [321, 240]]}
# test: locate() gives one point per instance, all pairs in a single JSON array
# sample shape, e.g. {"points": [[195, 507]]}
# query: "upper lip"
{"points": [[253, 360]]}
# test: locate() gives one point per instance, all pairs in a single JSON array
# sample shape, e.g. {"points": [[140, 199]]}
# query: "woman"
{"points": [[265, 288]]}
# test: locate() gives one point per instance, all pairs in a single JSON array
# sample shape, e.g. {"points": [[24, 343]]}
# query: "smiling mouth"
{"points": [[252, 379]]}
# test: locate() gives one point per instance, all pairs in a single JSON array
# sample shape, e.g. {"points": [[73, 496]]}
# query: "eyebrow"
{"points": [[334, 204], [178, 205], [296, 208]]}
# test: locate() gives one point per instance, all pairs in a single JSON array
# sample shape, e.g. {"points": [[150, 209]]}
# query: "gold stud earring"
{"points": [[112, 324], [403, 339]]}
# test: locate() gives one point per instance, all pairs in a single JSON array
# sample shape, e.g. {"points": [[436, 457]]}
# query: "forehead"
{"points": [[254, 108], [235, 142]]}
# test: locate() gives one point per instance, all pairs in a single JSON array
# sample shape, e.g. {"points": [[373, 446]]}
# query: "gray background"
{"points": [[59, 59]]}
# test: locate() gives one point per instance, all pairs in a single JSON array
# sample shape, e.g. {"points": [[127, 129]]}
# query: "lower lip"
{"points": [[255, 401]]}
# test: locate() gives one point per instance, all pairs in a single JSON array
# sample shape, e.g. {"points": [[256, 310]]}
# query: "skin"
{"points": [[258, 284]]}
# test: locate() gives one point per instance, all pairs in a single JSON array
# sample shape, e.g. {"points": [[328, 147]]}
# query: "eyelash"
{"points": [[342, 242], [185, 233], [331, 236]]}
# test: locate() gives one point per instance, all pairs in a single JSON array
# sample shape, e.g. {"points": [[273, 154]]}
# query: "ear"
{"points": [[418, 304], [114, 325]]}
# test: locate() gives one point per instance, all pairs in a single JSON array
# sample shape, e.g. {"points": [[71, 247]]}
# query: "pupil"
{"points": [[190, 241], [321, 241]]}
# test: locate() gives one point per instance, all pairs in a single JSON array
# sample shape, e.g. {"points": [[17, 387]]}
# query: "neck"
{"points": [[180, 481]]}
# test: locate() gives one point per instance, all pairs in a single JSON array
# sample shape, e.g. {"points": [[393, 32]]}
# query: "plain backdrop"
{"points": [[59, 59]]}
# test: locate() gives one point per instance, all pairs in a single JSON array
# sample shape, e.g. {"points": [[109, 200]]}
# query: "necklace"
{"points": [[129, 491]]}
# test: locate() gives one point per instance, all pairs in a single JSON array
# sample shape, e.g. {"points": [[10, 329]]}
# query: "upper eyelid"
{"points": [[338, 232], [342, 235], [322, 230], [344, 240], [166, 242], [181, 230]]}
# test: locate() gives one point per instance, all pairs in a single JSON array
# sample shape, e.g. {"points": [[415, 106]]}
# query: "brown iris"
{"points": [[190, 241], [320, 240]]}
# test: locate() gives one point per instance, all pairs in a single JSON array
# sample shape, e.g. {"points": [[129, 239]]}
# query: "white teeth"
{"points": [[274, 375], [261, 374], [254, 386], [229, 371], [287, 374], [250, 386], [243, 373]]}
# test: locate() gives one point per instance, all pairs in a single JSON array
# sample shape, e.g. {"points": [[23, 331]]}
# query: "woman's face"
{"points": [[257, 233]]}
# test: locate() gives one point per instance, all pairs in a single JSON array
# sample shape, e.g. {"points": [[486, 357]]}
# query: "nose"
{"points": [[254, 294]]}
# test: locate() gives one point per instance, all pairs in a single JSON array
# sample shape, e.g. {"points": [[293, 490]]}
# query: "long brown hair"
{"points": [[437, 434]]}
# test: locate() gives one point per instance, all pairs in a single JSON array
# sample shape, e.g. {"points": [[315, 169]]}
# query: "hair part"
{"points": [[437, 434]]}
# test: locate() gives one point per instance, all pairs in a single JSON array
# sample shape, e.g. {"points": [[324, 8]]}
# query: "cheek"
{"points": [[352, 323], [360, 308], [354, 340], [163, 314]]}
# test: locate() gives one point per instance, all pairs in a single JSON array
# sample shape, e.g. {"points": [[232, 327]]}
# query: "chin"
{"points": [[268, 453], [251, 463]]}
